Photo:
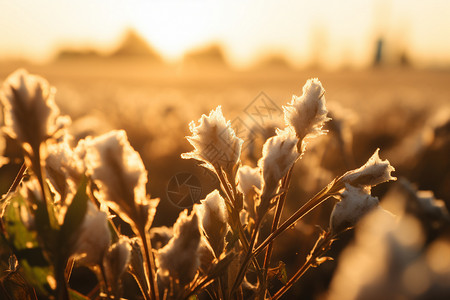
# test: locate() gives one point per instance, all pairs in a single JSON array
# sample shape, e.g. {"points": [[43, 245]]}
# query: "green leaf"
{"points": [[75, 213], [23, 242]]}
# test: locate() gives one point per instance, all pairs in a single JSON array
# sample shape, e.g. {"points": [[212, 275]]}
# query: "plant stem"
{"points": [[40, 174], [236, 220], [321, 196], [248, 257], [62, 291], [150, 263], [277, 217], [276, 221], [17, 179], [11, 189], [322, 245]]}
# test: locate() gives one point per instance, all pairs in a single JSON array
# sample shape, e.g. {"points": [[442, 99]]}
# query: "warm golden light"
{"points": [[329, 33]]}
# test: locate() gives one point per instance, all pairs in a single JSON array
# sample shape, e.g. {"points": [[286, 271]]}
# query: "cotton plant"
{"points": [[250, 184], [115, 262], [266, 187], [354, 203], [61, 193], [178, 261], [32, 118], [68, 199], [213, 220], [216, 145], [120, 177], [307, 114], [278, 156]]}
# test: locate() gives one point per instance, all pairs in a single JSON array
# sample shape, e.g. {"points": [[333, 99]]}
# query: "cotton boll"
{"points": [[354, 204], [308, 113], [215, 143], [373, 172], [30, 113], [64, 170], [118, 171], [250, 183], [179, 259], [213, 218], [92, 239], [115, 263], [160, 236], [279, 155], [249, 178]]}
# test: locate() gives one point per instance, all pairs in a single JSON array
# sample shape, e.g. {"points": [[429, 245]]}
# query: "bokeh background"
{"points": [[150, 67]]}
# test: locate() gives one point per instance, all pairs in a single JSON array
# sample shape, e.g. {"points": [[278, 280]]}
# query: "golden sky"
{"points": [[336, 32]]}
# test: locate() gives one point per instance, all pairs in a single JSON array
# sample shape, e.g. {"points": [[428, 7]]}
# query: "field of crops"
{"points": [[403, 254]]}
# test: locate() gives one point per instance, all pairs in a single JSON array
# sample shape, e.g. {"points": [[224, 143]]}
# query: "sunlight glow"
{"points": [[332, 32]]}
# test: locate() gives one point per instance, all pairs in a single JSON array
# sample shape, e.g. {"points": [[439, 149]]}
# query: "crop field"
{"points": [[212, 234]]}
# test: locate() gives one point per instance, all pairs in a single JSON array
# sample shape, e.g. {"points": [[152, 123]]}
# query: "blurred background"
{"points": [[150, 67]]}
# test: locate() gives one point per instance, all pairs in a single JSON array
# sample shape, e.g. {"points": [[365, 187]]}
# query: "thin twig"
{"points": [[17, 179], [322, 245], [277, 216], [276, 221], [236, 219], [150, 264], [321, 196], [248, 257]]}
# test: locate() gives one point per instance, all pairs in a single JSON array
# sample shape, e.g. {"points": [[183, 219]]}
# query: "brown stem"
{"points": [[202, 283], [150, 263], [321, 196], [236, 219], [225, 187], [276, 219], [322, 246], [248, 257], [40, 174], [62, 290], [17, 179]]}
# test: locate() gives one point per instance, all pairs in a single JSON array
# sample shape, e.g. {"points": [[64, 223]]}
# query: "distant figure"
{"points": [[378, 53]]}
